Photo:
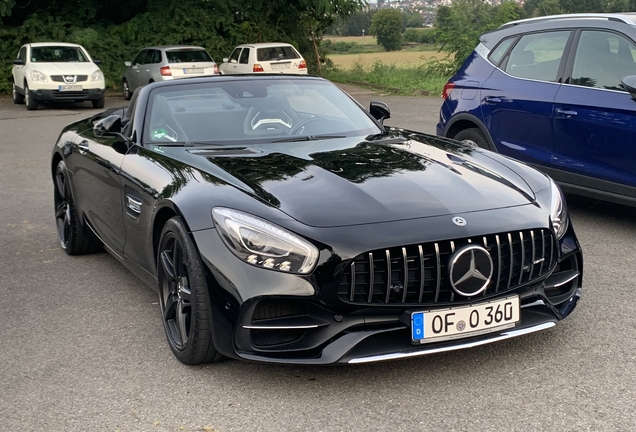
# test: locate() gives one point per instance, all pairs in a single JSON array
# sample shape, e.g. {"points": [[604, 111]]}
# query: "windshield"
{"points": [[56, 54], [253, 111]]}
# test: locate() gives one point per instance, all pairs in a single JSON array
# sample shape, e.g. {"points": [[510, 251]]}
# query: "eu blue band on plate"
{"points": [[417, 325]]}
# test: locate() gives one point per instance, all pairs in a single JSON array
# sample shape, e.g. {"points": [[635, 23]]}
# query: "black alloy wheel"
{"points": [[74, 238], [183, 296], [474, 138]]}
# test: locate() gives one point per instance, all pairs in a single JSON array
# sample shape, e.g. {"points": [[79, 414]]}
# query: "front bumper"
{"points": [[46, 95], [272, 317]]}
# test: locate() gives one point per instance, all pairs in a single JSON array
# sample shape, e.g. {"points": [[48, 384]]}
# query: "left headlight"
{"points": [[558, 210], [263, 244], [97, 76]]}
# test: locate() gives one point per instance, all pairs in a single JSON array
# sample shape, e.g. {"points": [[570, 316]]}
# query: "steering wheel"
{"points": [[300, 127]]}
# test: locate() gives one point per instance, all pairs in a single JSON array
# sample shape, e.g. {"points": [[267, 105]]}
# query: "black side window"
{"points": [[500, 50], [22, 54], [537, 56], [602, 59], [245, 56], [140, 57], [235, 55]]}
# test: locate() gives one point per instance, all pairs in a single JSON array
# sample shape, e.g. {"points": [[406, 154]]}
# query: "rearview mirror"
{"points": [[380, 111], [109, 126], [629, 84]]}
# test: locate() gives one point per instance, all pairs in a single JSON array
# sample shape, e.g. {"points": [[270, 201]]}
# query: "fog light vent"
{"points": [[267, 309]]}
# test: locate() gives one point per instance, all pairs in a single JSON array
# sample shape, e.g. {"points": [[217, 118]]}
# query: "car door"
{"points": [[19, 70], [231, 67], [244, 66], [595, 119], [517, 100], [136, 69], [95, 164]]}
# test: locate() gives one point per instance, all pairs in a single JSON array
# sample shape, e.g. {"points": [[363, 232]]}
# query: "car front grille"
{"points": [[60, 78], [418, 274]]}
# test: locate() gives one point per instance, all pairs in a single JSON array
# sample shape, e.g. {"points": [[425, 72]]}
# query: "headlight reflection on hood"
{"points": [[263, 244], [558, 210]]}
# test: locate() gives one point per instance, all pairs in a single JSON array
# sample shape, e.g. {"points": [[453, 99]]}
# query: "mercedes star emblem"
{"points": [[470, 270], [459, 221]]}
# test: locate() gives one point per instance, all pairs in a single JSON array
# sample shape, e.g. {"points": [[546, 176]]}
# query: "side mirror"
{"points": [[233, 61], [225, 59], [97, 62], [128, 64], [18, 62], [629, 84], [380, 111], [108, 126]]}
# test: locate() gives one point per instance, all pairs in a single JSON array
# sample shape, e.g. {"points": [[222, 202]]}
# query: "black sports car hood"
{"points": [[347, 181]]}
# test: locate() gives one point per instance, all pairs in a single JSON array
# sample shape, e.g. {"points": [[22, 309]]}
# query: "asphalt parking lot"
{"points": [[83, 349]]}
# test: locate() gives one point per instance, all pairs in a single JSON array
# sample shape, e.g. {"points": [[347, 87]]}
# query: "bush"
{"points": [[386, 25]]}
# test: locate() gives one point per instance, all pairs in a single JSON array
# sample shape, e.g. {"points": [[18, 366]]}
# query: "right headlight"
{"points": [[36, 75], [558, 210], [263, 244]]}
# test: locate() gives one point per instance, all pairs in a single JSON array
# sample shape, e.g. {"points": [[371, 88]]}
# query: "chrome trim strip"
{"points": [[511, 259], [542, 251], [534, 253], [301, 327], [534, 303], [570, 279], [505, 335]]}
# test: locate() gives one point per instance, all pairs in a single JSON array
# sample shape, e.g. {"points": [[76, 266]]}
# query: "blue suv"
{"points": [[553, 92]]}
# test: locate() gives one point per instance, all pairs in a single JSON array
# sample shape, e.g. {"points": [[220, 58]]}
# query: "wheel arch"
{"points": [[466, 121], [166, 211]]}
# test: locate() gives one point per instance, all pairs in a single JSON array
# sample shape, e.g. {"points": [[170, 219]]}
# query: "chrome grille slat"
{"points": [[438, 272], [421, 270], [371, 277], [406, 275], [388, 276]]}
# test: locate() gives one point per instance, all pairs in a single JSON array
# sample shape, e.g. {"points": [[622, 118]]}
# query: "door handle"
{"points": [[83, 147], [492, 99], [566, 112]]}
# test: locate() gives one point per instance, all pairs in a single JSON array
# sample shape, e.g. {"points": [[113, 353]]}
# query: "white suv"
{"points": [[272, 57], [56, 72]]}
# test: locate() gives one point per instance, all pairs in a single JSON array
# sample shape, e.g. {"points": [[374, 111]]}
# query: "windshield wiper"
{"points": [[308, 138]]}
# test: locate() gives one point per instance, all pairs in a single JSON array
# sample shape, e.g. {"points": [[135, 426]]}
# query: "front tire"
{"points": [[474, 138], [125, 89], [31, 104], [18, 98], [75, 239], [99, 103], [183, 296]]}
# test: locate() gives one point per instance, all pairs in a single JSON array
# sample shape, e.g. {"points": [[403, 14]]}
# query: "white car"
{"points": [[272, 57], [56, 72]]}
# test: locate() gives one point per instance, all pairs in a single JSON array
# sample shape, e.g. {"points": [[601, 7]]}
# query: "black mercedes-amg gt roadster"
{"points": [[280, 221]]}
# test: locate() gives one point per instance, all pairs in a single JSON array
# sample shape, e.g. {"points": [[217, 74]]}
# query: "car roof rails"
{"points": [[627, 18]]}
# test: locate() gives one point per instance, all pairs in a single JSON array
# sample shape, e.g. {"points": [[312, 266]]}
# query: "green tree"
{"points": [[459, 26], [386, 25]]}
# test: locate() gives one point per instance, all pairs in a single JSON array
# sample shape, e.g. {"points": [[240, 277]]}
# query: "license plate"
{"points": [[69, 88], [460, 322], [281, 65], [193, 71]]}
